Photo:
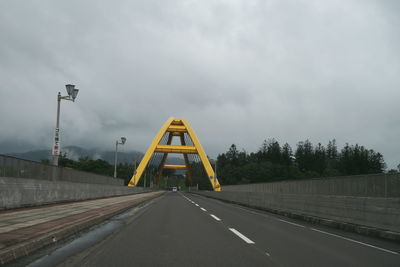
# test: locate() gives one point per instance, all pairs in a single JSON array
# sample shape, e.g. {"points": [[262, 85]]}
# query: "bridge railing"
{"points": [[368, 204], [21, 168], [373, 185]]}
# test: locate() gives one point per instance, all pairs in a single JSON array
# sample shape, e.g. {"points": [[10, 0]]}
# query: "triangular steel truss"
{"points": [[176, 127]]}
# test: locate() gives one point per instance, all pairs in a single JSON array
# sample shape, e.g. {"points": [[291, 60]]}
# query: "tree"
{"points": [[305, 156], [270, 151], [45, 161], [232, 155], [64, 161], [359, 160], [287, 155], [331, 150], [274, 152], [320, 159]]}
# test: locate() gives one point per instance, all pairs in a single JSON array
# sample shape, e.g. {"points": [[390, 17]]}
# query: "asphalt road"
{"points": [[189, 230]]}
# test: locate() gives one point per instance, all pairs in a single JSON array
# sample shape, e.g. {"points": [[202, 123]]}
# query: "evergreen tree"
{"points": [[320, 159], [305, 156], [233, 155], [272, 162], [287, 155], [274, 152]]}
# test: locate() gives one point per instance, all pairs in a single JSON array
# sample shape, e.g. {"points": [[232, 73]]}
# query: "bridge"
{"points": [[189, 146], [53, 216]]}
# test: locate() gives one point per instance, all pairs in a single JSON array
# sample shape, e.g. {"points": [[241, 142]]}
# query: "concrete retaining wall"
{"points": [[21, 192]]}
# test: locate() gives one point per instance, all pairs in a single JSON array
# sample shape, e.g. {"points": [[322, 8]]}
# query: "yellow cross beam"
{"points": [[177, 129], [176, 149], [175, 167]]}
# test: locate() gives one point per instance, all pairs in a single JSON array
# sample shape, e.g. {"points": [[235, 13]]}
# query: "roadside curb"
{"points": [[26, 248], [349, 227]]}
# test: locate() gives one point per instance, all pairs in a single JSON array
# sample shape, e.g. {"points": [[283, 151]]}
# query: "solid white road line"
{"points": [[355, 241], [215, 217], [203, 209], [292, 223], [236, 232]]}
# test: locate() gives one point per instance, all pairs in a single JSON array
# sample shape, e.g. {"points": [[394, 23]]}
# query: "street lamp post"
{"points": [[123, 140], [72, 93]]}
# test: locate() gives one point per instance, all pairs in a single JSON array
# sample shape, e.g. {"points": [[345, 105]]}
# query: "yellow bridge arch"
{"points": [[176, 128]]}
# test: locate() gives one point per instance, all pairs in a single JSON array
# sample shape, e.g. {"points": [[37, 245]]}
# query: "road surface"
{"points": [[180, 229]]}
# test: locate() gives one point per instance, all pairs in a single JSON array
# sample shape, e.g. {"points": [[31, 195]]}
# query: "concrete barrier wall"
{"points": [[376, 185], [360, 203], [20, 168], [21, 192], [381, 213]]}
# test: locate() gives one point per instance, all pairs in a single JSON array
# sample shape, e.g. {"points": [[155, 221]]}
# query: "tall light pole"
{"points": [[72, 93], [123, 140]]}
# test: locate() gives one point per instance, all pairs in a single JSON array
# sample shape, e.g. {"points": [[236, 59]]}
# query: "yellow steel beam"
{"points": [[164, 158], [175, 167], [145, 160], [176, 149], [177, 122], [185, 156], [177, 128], [203, 157]]}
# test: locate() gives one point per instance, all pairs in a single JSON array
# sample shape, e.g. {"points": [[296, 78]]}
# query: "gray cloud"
{"points": [[239, 71]]}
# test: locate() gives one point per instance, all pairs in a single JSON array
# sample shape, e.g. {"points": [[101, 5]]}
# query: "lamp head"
{"points": [[74, 93], [70, 88], [123, 140]]}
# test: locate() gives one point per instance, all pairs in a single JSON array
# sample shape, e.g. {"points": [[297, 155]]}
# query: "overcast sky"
{"points": [[239, 71]]}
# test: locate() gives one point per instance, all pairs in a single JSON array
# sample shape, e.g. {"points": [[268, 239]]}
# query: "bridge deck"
{"points": [[181, 229]]}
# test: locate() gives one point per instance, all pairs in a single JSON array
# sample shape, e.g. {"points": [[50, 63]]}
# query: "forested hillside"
{"points": [[275, 162]]}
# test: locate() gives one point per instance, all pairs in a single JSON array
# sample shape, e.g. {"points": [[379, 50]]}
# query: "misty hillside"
{"points": [[75, 152]]}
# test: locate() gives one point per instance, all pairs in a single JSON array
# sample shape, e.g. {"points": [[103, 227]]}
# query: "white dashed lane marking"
{"points": [[215, 217], [243, 237]]}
